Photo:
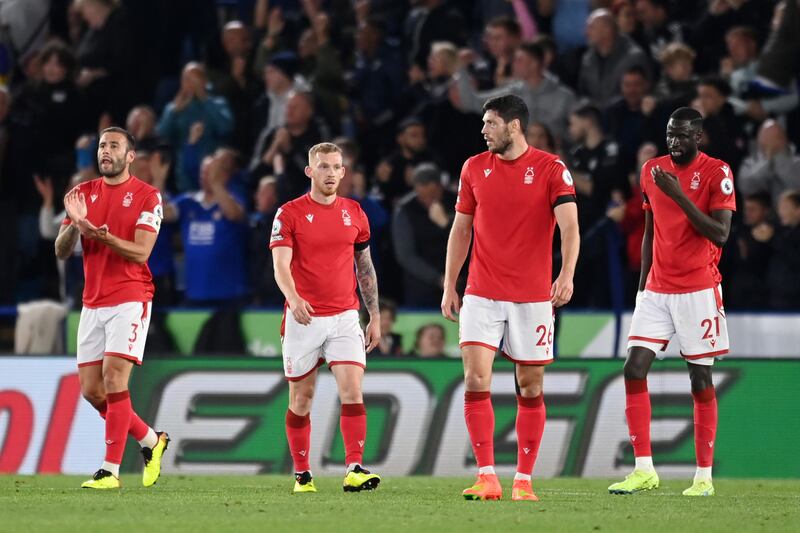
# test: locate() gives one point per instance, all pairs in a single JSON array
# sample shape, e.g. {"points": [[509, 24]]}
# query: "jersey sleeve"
{"points": [[560, 185], [362, 239], [643, 185], [152, 213], [722, 192], [465, 203], [282, 230]]}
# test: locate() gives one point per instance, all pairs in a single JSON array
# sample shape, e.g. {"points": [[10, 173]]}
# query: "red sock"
{"points": [[138, 429], [705, 425], [353, 424], [298, 433], [637, 411], [531, 414], [118, 420], [479, 415]]}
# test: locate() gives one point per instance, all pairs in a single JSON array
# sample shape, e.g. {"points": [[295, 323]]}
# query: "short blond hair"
{"points": [[675, 52], [322, 148]]}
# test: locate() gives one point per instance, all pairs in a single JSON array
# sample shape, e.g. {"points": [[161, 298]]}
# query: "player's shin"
{"points": [[479, 416], [139, 430], [118, 418], [638, 414], [353, 424], [705, 430], [531, 414], [298, 433]]}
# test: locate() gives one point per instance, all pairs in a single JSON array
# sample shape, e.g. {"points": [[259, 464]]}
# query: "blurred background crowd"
{"points": [[225, 98]]}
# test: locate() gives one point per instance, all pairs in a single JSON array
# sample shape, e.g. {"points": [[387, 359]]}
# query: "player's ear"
{"points": [[130, 156], [307, 171]]}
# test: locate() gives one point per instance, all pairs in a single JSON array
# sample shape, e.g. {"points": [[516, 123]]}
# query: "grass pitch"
{"points": [[265, 503]]}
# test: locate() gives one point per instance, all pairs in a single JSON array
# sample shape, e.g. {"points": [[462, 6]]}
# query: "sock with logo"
{"points": [[531, 413], [139, 430], [638, 412], [118, 420], [298, 433], [479, 415], [353, 424], [705, 427]]}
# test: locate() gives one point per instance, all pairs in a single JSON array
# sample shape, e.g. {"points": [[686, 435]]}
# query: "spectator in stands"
{"points": [[539, 136], [106, 60], [678, 84], [141, 123], [391, 343], [774, 168], [262, 280], [547, 99], [609, 56], [213, 225], [784, 283], [194, 108], [421, 226], [394, 175], [627, 123], [501, 38], [430, 342], [234, 81], [657, 29], [430, 21], [741, 66], [748, 282], [594, 163], [283, 151], [723, 132], [625, 17], [269, 111]]}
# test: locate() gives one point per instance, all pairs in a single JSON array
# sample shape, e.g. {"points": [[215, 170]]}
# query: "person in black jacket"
{"points": [[723, 131], [784, 283], [421, 226]]}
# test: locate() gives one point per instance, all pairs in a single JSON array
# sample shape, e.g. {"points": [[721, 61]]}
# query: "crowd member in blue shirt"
{"points": [[214, 231]]}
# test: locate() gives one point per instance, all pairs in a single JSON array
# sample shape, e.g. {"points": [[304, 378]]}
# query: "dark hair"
{"points": [[717, 83], [793, 195], [547, 43], [744, 31], [762, 198], [551, 140], [509, 24], [426, 173], [687, 114], [509, 107], [590, 112], [384, 304], [422, 329], [128, 136], [408, 123], [535, 50], [63, 54], [640, 70]]}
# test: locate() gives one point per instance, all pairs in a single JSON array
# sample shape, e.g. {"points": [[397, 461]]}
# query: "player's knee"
{"points": [[634, 369], [530, 385], [477, 381], [350, 396], [114, 380], [700, 376], [95, 396], [300, 401]]}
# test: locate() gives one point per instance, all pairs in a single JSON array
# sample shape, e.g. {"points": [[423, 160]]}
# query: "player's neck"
{"points": [[119, 179], [320, 198], [514, 151]]}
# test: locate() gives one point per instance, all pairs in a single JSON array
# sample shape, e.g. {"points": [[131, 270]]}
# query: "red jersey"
{"points": [[683, 260], [323, 239], [513, 202], [111, 279]]}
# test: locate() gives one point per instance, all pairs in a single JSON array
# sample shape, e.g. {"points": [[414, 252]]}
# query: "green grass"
{"points": [[264, 503]]}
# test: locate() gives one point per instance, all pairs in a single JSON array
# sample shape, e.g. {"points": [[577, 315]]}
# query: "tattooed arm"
{"points": [[368, 283], [65, 242]]}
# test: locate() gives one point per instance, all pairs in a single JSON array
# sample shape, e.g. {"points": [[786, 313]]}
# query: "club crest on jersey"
{"points": [[528, 178], [695, 181], [126, 202], [727, 186], [346, 218], [486, 172], [93, 197]]}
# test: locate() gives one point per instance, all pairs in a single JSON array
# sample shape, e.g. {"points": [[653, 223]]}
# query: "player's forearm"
{"points": [[283, 277], [713, 230], [647, 258], [130, 250], [367, 282], [457, 249], [66, 241], [570, 247]]}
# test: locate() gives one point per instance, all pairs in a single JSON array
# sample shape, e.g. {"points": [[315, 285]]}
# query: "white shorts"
{"points": [[336, 339], [522, 331], [697, 319], [119, 331]]}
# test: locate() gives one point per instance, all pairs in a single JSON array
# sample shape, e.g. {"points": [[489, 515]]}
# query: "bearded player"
{"points": [[510, 198], [688, 202], [117, 218], [315, 241]]}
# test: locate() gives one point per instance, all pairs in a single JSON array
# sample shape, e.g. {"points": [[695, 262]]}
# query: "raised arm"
{"points": [[457, 249], [368, 284]]}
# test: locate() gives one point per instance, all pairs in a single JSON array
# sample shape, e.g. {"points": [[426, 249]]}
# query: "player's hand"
{"points": [[451, 304], [561, 292], [75, 205], [301, 311], [667, 182], [372, 334]]}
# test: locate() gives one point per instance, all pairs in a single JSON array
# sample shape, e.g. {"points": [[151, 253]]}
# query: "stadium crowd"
{"points": [[225, 98]]}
